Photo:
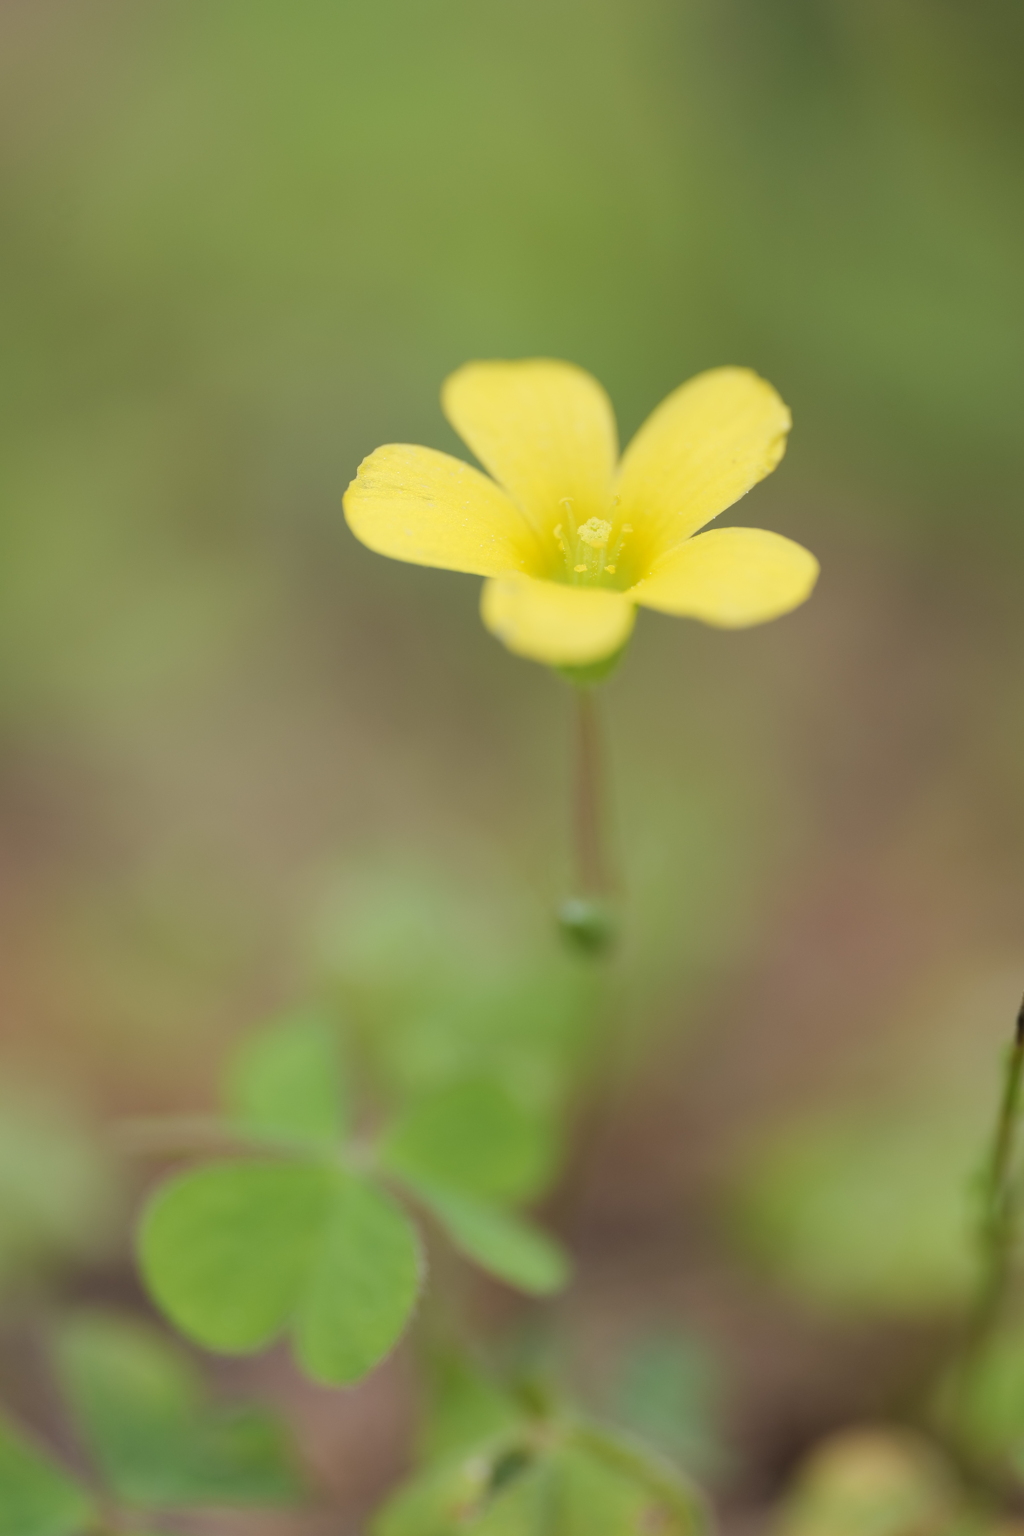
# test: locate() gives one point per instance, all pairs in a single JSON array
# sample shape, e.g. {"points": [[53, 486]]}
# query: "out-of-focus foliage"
{"points": [[442, 989], [37, 1498], [139, 1405], [871, 1203], [501, 1463], [864, 1209], [668, 1393], [139, 1410], [873, 1482], [980, 1401], [60, 1198], [289, 1083]]}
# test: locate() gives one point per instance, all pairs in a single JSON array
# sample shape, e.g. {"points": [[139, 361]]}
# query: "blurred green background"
{"points": [[242, 243]]}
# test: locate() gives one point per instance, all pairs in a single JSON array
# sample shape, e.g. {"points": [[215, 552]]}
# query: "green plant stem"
{"points": [[664, 1481], [998, 1227], [591, 856]]}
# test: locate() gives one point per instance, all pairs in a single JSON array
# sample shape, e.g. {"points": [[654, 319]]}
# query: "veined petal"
{"points": [[701, 450], [545, 430], [731, 577], [560, 625], [428, 508]]}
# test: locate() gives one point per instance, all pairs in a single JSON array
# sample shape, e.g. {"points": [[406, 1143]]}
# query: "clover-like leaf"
{"points": [[473, 1136], [140, 1407], [287, 1082], [225, 1249], [361, 1287], [236, 1252], [464, 1406], [38, 1498], [505, 1245], [568, 1478], [493, 1481]]}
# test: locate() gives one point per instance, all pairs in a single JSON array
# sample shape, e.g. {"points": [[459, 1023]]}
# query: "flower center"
{"points": [[590, 550]]}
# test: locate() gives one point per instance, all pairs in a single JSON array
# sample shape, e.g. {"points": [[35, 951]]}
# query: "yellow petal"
{"points": [[701, 450], [731, 577], [423, 506], [545, 431], [560, 625]]}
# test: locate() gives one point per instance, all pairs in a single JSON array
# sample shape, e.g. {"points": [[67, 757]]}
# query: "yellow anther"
{"points": [[610, 569], [579, 567], [627, 527], [596, 532]]}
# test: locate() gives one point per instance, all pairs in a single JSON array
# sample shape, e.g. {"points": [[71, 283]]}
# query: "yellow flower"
{"points": [[571, 540]]}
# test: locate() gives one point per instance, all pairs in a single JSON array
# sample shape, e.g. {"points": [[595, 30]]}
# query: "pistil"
{"points": [[586, 548]]}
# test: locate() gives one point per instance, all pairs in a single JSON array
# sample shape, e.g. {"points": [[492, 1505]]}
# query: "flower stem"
{"points": [[588, 808], [586, 916]]}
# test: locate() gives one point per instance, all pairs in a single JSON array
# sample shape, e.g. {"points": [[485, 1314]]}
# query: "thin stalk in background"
{"points": [[998, 1228], [996, 1237]]}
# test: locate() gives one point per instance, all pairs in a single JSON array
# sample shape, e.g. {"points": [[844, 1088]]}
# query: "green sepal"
{"points": [[594, 672]]}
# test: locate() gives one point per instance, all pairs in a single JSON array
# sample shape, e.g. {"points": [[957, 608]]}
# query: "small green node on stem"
{"points": [[587, 918], [588, 924]]}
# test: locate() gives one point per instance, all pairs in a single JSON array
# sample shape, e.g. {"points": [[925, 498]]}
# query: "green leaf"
{"points": [[493, 1488], [549, 1485], [651, 1492], [37, 1498], [504, 1245], [237, 1251], [464, 1406], [863, 1209], [225, 1249], [980, 1402], [362, 1285], [474, 1137], [667, 1394], [287, 1082], [59, 1192], [140, 1405]]}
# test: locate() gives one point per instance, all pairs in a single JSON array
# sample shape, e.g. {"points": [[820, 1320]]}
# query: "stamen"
{"points": [[579, 567]]}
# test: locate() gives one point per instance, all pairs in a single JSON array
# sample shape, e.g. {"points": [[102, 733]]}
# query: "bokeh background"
{"points": [[243, 242]]}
